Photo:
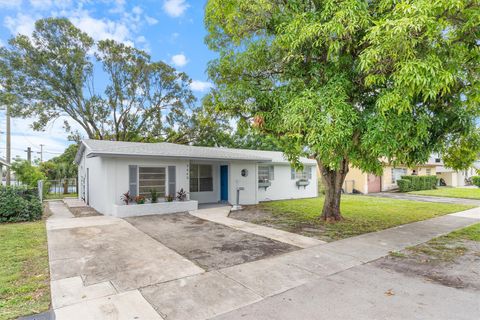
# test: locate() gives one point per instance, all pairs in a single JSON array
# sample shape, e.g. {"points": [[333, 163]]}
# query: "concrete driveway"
{"points": [[106, 268], [210, 245]]}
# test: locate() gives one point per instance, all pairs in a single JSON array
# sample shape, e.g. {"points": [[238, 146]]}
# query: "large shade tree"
{"points": [[52, 74], [352, 82]]}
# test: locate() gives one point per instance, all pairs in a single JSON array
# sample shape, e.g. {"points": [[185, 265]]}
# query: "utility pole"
{"points": [[29, 154], [41, 153], [9, 150]]}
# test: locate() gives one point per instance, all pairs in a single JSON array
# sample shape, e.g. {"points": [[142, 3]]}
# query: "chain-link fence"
{"points": [[63, 186]]}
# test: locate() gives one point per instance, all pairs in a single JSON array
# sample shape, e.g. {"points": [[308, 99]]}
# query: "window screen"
{"points": [[305, 174], [265, 173], [151, 178], [201, 177]]}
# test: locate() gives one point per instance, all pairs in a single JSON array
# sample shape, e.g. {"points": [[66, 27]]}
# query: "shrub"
{"points": [[19, 204], [420, 182], [404, 185], [476, 181]]}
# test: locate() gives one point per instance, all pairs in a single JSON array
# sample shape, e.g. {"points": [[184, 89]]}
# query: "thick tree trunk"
{"points": [[333, 180]]}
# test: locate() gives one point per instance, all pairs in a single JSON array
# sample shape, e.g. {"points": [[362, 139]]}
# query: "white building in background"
{"points": [[108, 169], [453, 178], [3, 166]]}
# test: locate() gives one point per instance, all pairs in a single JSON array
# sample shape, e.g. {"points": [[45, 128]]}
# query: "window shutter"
{"points": [[292, 173], [132, 180], [310, 173], [271, 174], [172, 179]]}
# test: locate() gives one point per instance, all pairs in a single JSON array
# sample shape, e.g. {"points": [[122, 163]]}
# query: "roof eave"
{"points": [[136, 155]]}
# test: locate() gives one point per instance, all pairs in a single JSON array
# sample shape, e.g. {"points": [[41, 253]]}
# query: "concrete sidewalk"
{"points": [[104, 268], [268, 286], [414, 197]]}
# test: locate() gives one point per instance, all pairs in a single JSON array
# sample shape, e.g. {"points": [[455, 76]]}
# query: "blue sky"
{"points": [[170, 30]]}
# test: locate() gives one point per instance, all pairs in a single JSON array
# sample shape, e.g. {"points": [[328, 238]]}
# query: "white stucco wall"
{"points": [[209, 196], [284, 187], [249, 183], [109, 179]]}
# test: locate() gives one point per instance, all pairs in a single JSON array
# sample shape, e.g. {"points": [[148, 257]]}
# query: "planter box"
{"points": [[303, 183], [264, 184], [134, 210]]}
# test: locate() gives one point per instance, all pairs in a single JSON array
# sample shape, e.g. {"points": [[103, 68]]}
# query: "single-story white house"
{"points": [[108, 169]]}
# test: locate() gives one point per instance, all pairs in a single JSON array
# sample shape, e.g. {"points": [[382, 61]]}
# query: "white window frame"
{"points": [[198, 176], [160, 196], [428, 172], [305, 174], [270, 174], [394, 179]]}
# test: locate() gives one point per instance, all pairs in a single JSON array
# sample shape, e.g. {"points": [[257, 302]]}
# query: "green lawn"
{"points": [[450, 246], [466, 193], [362, 215], [24, 274]]}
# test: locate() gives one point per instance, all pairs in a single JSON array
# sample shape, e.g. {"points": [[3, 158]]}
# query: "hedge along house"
{"points": [[108, 169]]}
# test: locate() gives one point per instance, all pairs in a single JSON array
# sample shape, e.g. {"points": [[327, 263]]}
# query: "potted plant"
{"points": [[181, 195], [140, 199], [153, 196], [126, 198], [169, 198]]}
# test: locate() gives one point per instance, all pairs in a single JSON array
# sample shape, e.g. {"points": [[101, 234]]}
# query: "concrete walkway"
{"points": [[414, 197], [58, 210], [219, 214], [104, 268], [98, 263]]}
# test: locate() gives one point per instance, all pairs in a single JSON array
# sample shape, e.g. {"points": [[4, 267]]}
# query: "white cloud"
{"points": [[20, 24], [41, 4], [53, 138], [101, 29], [150, 20], [179, 60], [175, 8], [200, 86], [10, 3], [137, 10]]}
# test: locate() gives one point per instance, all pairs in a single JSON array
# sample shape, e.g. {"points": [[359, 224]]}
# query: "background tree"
{"points": [[61, 168], [51, 74], [349, 82]]}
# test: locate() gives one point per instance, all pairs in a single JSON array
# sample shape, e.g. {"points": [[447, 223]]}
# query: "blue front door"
{"points": [[224, 183]]}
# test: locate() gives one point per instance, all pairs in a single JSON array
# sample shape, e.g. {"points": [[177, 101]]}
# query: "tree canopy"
{"points": [[52, 74], [350, 82]]}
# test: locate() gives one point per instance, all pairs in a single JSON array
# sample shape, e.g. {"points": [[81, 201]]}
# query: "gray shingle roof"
{"points": [[164, 149]]}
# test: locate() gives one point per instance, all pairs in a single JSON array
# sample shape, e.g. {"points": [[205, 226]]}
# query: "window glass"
{"points": [[305, 174], [265, 173], [151, 178], [397, 173], [201, 177]]}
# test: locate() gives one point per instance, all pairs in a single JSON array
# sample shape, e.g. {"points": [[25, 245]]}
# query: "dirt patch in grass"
{"points": [[452, 260], [362, 215], [24, 273]]}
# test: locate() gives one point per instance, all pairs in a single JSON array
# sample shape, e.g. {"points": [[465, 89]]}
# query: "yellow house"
{"points": [[369, 183]]}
